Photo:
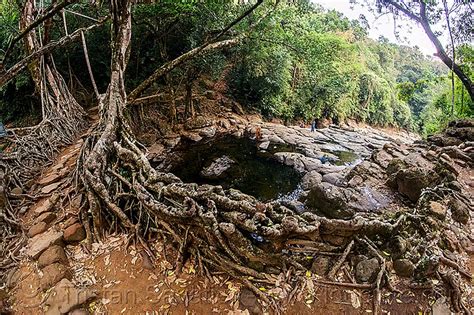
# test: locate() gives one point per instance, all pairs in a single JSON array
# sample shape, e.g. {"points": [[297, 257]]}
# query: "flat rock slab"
{"points": [[50, 188], [54, 177], [41, 242], [65, 297]]}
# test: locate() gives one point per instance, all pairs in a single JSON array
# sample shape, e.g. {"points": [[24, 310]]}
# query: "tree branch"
{"points": [[52, 10], [208, 46], [441, 52], [19, 66], [403, 9]]}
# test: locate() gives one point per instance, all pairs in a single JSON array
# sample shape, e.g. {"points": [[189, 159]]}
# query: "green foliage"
{"points": [[300, 62], [311, 63]]}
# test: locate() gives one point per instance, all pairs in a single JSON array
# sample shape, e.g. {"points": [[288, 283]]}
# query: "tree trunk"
{"points": [[441, 52], [189, 106]]}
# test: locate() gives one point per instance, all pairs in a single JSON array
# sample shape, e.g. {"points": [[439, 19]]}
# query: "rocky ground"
{"points": [[392, 173]]}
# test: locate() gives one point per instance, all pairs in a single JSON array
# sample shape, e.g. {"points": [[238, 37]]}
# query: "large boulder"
{"points": [[330, 200], [217, 168], [411, 180]]}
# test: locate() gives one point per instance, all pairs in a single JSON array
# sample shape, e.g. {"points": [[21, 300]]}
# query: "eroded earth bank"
{"points": [[346, 219]]}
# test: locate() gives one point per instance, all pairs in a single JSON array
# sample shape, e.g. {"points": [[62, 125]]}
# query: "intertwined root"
{"points": [[225, 230]]}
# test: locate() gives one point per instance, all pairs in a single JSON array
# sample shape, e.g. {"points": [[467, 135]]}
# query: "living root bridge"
{"points": [[223, 230]]}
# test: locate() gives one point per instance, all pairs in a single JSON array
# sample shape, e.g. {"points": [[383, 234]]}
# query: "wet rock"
{"points": [[218, 167], [52, 274], [65, 297], [49, 188], [74, 233], [41, 242], [249, 301], [275, 139], [404, 267], [438, 210], [330, 200], [292, 159], [321, 265], [54, 254], [366, 270], [37, 228], [46, 217], [311, 180], [459, 211]]}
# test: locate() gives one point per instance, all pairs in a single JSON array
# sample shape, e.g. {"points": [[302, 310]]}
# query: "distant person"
{"points": [[313, 125], [258, 133]]}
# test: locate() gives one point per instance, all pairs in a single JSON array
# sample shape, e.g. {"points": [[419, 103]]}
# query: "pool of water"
{"points": [[251, 171], [343, 157]]}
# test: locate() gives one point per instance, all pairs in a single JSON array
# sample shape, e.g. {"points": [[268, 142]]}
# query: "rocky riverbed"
{"points": [[384, 208], [322, 161]]}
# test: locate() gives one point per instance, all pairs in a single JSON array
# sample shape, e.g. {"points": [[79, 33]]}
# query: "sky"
{"points": [[411, 34]]}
